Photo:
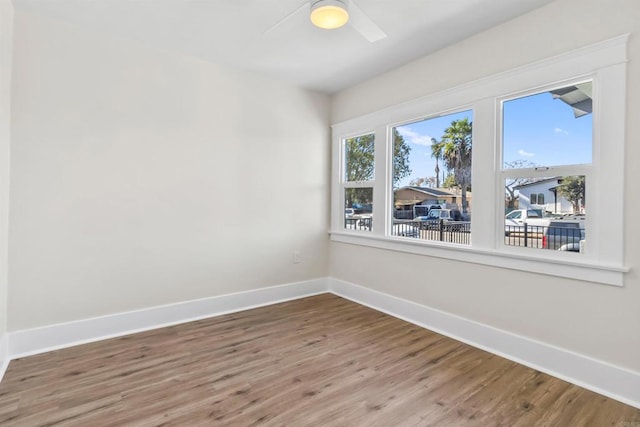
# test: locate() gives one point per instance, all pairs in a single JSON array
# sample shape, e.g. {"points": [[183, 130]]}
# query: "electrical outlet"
{"points": [[297, 257]]}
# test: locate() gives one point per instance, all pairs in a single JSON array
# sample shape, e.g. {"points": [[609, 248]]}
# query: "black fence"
{"points": [[558, 235], [358, 223], [437, 230], [564, 236]]}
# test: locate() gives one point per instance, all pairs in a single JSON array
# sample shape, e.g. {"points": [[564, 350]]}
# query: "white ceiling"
{"points": [[232, 32]]}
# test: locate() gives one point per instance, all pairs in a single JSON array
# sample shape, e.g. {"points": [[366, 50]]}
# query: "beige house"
{"points": [[407, 197]]}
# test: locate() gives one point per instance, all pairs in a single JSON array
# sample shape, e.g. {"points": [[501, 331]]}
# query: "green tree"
{"points": [[401, 151], [449, 181], [360, 164], [572, 189], [436, 153], [454, 149], [359, 158]]}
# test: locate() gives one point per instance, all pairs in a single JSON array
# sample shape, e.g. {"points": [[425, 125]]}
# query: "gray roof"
{"points": [[538, 181], [577, 97], [429, 191]]}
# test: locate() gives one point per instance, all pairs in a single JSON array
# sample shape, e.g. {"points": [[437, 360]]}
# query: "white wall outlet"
{"points": [[297, 257]]}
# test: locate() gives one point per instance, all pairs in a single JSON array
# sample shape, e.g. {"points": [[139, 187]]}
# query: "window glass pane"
{"points": [[358, 208], [558, 224], [359, 158], [549, 129], [432, 178]]}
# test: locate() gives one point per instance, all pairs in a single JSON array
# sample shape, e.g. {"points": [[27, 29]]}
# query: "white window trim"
{"points": [[605, 62]]}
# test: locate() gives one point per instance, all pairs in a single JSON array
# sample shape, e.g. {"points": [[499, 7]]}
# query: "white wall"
{"points": [[6, 42], [594, 320], [142, 178]]}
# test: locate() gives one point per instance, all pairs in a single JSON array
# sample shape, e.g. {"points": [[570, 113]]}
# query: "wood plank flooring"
{"points": [[317, 361]]}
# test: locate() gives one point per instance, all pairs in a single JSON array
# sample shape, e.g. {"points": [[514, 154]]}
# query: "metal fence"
{"points": [[439, 230], [564, 236], [358, 223]]}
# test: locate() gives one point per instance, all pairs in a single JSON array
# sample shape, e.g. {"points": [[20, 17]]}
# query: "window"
{"points": [[358, 208], [432, 178], [358, 166], [537, 143], [549, 128], [536, 198], [549, 131]]}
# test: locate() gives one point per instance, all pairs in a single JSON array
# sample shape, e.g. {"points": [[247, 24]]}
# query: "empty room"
{"points": [[319, 213]]}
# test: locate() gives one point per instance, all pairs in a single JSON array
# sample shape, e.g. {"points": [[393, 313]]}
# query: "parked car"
{"points": [[572, 247], [445, 215], [560, 233], [420, 211], [355, 219], [514, 221]]}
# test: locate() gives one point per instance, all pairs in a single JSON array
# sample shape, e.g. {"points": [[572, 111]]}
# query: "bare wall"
{"points": [[6, 41], [595, 320], [141, 177]]}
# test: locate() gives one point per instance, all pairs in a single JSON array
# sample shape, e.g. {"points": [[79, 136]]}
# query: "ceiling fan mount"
{"points": [[329, 14]]}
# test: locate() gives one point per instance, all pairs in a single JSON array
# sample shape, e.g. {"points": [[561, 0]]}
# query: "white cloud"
{"points": [[525, 153], [558, 130], [414, 137]]}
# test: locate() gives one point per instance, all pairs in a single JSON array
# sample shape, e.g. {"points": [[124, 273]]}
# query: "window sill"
{"points": [[580, 270]]}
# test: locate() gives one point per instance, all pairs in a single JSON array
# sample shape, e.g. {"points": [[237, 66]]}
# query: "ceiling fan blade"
{"points": [[300, 8], [363, 24]]}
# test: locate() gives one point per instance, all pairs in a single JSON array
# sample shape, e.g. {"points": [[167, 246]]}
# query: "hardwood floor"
{"points": [[318, 361]]}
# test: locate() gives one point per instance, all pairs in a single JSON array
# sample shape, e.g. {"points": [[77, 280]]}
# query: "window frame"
{"points": [[576, 169], [605, 64], [390, 163], [346, 184]]}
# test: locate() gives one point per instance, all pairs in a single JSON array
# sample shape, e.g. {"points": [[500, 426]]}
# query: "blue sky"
{"points": [[418, 135], [537, 128]]}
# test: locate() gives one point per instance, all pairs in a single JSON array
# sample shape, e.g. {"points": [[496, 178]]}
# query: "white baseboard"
{"points": [[601, 377], [609, 380], [38, 340], [4, 355]]}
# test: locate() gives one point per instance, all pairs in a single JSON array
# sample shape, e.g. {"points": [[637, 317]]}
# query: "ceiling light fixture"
{"points": [[329, 14]]}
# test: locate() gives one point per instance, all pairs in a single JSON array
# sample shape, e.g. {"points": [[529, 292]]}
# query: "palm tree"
{"points": [[437, 154], [455, 150]]}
